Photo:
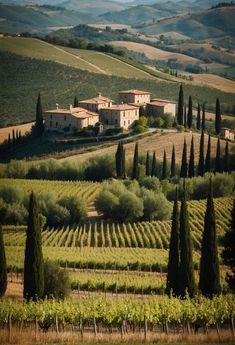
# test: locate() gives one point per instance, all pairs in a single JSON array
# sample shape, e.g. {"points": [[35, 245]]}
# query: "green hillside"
{"points": [[94, 7]]}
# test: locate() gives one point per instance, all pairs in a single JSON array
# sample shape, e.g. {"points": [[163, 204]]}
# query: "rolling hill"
{"points": [[94, 7]]}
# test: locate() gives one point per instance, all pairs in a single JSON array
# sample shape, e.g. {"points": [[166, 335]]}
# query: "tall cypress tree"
{"points": [[13, 137], [180, 117], [33, 262], [147, 165], [164, 166], [154, 165], [9, 141], [123, 162], [186, 269], [75, 102], [185, 116], [218, 163], [39, 126], [118, 157], [191, 167], [217, 117], [201, 163], [172, 282], [190, 112], [209, 279], [184, 165], [226, 166], [203, 117], [3, 265], [173, 171], [135, 171], [198, 117], [208, 156]]}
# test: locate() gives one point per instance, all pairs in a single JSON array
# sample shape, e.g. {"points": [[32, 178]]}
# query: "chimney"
{"points": [[99, 94], [70, 107], [57, 106]]}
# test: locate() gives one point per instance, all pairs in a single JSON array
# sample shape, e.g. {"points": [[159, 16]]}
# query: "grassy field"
{"points": [[5, 132]]}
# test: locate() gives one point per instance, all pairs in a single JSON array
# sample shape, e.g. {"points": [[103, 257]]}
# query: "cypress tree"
{"points": [[135, 172], [209, 278], [184, 165], [39, 126], [191, 168], [123, 162], [190, 112], [3, 265], [198, 117], [201, 163], [226, 158], [164, 166], [13, 137], [147, 165], [20, 137], [173, 171], [185, 116], [203, 117], [228, 253], [186, 270], [75, 102], [33, 263], [217, 117], [218, 167], [9, 141], [154, 165], [208, 156], [118, 157], [180, 117], [172, 282]]}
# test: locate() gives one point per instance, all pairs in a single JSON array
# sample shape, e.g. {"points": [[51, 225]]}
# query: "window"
{"points": [[65, 118], [129, 122], [124, 123], [106, 121], [116, 121], [56, 124]]}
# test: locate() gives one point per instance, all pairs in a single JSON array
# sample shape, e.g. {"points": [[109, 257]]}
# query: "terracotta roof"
{"points": [[76, 112], [167, 101], [121, 107], [158, 104], [96, 100], [135, 92]]}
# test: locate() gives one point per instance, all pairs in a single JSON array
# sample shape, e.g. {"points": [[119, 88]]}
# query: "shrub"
{"points": [[180, 128], [130, 207], [151, 183], [11, 194], [100, 168], [156, 206], [76, 207], [56, 281]]}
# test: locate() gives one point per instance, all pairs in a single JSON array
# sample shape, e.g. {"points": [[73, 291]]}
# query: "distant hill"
{"points": [[96, 7], [17, 18]]}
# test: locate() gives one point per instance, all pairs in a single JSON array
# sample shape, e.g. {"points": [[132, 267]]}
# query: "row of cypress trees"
{"points": [[185, 118], [180, 273]]}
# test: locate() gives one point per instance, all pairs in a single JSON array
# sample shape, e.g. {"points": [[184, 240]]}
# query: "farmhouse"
{"points": [[134, 97], [159, 107], [227, 133], [95, 104], [68, 119], [120, 115]]}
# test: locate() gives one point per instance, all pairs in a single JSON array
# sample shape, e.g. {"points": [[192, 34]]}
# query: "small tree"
{"points": [[209, 280], [38, 128], [164, 166], [33, 263], [75, 102], [184, 165], [198, 117], [173, 171], [201, 164], [154, 165], [56, 281], [180, 117], [190, 112], [208, 156], [217, 117], [135, 171], [191, 168], [218, 167], [172, 282], [118, 158], [203, 117], [3, 265]]}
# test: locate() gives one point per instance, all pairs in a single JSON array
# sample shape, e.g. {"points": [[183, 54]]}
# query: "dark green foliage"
{"points": [[190, 112], [191, 167], [33, 263], [173, 171], [172, 282], [203, 117], [77, 208], [186, 269], [75, 102], [154, 165], [100, 168], [3, 265], [198, 117], [38, 128], [147, 165], [135, 171], [184, 165], [56, 281], [118, 157], [180, 117], [209, 279], [218, 161], [208, 156], [226, 166], [185, 116], [123, 162], [217, 117], [228, 253], [201, 163], [164, 166]]}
